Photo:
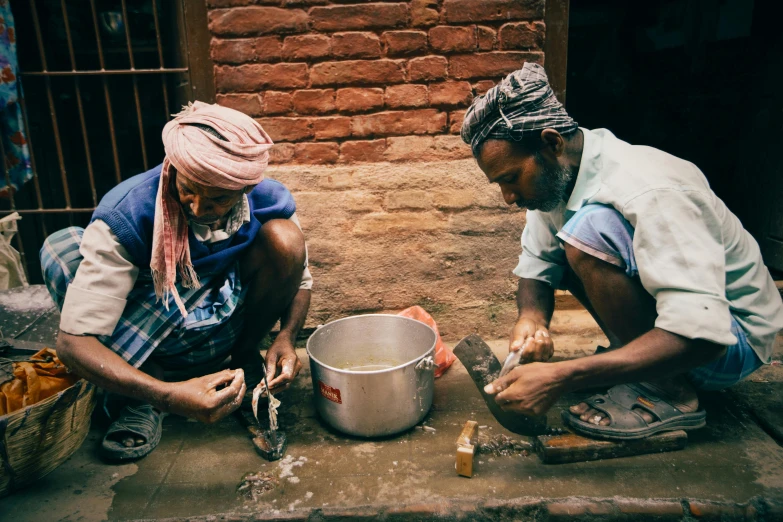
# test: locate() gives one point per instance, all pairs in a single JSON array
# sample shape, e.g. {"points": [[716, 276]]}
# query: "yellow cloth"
{"points": [[35, 381]]}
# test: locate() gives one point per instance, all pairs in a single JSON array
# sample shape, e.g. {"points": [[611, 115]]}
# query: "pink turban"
{"points": [[235, 163]]}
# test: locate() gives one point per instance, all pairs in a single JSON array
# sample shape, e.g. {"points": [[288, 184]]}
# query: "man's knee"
{"points": [[60, 259], [599, 237], [280, 245]]}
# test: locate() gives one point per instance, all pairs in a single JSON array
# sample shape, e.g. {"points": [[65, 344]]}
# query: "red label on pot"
{"points": [[333, 394]]}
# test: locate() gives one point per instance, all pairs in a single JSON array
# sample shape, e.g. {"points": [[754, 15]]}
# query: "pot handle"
{"points": [[426, 364]]}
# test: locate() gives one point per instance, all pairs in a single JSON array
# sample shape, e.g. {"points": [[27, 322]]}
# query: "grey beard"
{"points": [[554, 182]]}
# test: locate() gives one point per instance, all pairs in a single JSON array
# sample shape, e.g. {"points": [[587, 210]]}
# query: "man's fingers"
{"points": [[529, 350], [500, 384], [271, 367], [516, 344], [287, 365], [220, 378], [281, 388], [230, 392]]}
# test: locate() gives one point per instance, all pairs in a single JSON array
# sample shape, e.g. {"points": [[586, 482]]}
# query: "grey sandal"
{"points": [[620, 405], [143, 422]]}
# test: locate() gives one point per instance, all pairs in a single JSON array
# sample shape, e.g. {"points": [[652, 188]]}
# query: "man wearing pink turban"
{"points": [[180, 274]]}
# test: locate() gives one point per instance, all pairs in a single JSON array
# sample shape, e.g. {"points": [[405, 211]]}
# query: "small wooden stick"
{"points": [[466, 449]]}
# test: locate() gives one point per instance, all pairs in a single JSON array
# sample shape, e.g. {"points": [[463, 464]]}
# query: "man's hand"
{"points": [[533, 338], [281, 357], [209, 398], [530, 389]]}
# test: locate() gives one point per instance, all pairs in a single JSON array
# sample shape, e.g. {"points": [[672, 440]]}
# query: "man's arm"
{"points": [[540, 269], [532, 389], [197, 398], [536, 303], [281, 356]]}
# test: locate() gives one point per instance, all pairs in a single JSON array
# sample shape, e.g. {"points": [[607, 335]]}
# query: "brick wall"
{"points": [[351, 81], [364, 102], [385, 236]]}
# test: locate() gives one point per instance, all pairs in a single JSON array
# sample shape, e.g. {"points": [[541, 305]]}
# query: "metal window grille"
{"points": [[99, 80]]}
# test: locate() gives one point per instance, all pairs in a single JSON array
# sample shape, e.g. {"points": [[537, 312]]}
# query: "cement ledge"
{"points": [[527, 509]]}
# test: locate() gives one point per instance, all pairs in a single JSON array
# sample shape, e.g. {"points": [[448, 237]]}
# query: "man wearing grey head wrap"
{"points": [[667, 271]]}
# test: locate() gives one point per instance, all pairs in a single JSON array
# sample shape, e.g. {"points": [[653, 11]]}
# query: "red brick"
{"points": [[357, 72], [359, 100], [331, 128], [287, 3], [236, 3], [391, 123], [263, 49], [406, 95], [358, 514], [316, 153], [232, 51], [356, 45], [460, 11], [453, 39], [451, 93], [455, 121], [642, 508], [305, 47], [486, 38], [427, 68], [577, 508], [399, 43], [249, 104], [522, 35], [368, 16], [281, 153], [267, 48], [276, 102], [256, 20], [483, 86], [257, 77], [483, 65], [287, 129], [716, 511], [362, 151], [313, 101], [424, 13]]}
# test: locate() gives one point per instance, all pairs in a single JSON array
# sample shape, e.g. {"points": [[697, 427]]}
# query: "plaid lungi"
{"points": [[602, 232], [146, 329]]}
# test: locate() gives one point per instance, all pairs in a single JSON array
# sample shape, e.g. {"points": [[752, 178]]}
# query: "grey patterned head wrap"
{"points": [[519, 105]]}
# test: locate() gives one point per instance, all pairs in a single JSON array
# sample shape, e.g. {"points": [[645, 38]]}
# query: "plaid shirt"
{"points": [[207, 335]]}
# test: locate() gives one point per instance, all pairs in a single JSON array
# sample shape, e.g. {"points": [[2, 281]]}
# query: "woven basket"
{"points": [[38, 438]]}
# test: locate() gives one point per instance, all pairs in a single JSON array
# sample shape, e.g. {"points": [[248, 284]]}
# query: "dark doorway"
{"points": [[698, 79]]}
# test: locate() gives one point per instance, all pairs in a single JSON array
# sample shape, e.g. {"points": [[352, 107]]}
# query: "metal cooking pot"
{"points": [[373, 375]]}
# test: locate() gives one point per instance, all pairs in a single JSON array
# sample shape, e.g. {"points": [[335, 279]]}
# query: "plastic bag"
{"points": [[444, 357], [11, 269]]}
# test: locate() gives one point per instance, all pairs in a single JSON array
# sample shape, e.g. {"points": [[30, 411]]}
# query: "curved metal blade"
{"points": [[483, 367]]}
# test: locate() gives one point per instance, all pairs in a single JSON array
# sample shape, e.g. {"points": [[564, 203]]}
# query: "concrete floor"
{"points": [[731, 469]]}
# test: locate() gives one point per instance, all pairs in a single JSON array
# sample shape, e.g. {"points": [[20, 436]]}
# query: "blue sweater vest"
{"points": [[129, 210]]}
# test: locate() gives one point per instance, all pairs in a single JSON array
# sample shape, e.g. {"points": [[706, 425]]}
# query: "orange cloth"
{"points": [[35, 381]]}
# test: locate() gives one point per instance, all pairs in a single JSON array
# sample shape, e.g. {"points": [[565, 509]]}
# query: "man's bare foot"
{"points": [[677, 391]]}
